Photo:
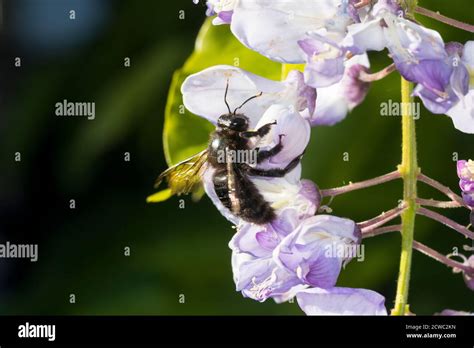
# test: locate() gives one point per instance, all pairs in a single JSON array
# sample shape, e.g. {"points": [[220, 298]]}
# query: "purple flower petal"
{"points": [[225, 17], [466, 185], [454, 48], [325, 61], [308, 251], [418, 52], [341, 301], [465, 171], [320, 270], [260, 278], [354, 88], [435, 101], [433, 74], [468, 198], [247, 240], [334, 102], [462, 170]]}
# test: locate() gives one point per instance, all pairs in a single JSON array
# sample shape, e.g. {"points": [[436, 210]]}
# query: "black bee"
{"points": [[231, 177]]}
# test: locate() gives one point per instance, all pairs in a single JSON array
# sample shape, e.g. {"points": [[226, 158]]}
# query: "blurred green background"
{"points": [[173, 251]]}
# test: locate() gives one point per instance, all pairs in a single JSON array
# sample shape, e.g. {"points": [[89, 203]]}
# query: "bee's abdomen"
{"points": [[221, 187], [251, 206]]}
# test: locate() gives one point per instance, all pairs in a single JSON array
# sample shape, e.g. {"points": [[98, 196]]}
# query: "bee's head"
{"points": [[234, 122]]}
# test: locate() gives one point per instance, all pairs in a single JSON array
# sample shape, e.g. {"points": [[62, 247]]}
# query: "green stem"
{"points": [[409, 171]]}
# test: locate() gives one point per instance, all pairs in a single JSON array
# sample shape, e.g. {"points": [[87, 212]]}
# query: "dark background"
{"points": [[173, 251]]}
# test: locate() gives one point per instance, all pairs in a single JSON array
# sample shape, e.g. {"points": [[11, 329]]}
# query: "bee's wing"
{"points": [[184, 177]]}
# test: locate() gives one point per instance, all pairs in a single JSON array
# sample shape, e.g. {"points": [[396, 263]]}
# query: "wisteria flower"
{"points": [[282, 262], [285, 262]]}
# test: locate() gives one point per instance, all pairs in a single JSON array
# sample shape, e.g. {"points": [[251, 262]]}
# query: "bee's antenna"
{"points": [[245, 102], [225, 96]]}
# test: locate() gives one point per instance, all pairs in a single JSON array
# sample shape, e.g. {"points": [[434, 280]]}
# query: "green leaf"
{"points": [[186, 134], [159, 196]]}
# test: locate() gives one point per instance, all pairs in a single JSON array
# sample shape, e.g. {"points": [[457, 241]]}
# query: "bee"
{"points": [[232, 175]]}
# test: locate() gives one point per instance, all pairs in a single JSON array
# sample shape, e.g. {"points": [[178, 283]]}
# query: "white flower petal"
{"points": [[341, 301], [273, 28], [296, 132], [203, 92], [362, 37], [463, 113], [331, 106], [468, 56]]}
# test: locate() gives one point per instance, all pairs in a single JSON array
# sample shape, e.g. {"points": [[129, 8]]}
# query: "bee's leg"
{"points": [[264, 154], [272, 173], [261, 132]]}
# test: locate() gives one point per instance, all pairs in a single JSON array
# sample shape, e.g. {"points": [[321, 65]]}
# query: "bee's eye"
{"points": [[238, 123]]}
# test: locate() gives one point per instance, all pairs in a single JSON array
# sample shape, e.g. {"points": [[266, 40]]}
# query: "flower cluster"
{"points": [[299, 253], [332, 38], [301, 258]]}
